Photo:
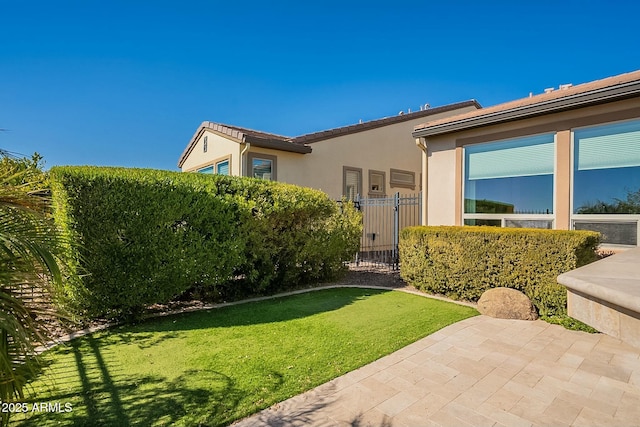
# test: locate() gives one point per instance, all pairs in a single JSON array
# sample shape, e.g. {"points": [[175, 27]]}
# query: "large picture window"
{"points": [[606, 181], [507, 178], [606, 173], [513, 176]]}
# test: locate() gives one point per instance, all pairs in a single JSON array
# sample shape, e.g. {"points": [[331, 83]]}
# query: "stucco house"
{"points": [[373, 158], [568, 158]]}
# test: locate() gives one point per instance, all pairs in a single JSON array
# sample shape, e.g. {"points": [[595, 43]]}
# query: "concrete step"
{"points": [[606, 295]]}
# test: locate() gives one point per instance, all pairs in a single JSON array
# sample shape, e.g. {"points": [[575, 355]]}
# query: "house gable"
{"points": [[241, 136]]}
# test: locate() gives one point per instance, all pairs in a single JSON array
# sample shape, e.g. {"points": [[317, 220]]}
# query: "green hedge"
{"points": [[146, 236], [463, 262]]}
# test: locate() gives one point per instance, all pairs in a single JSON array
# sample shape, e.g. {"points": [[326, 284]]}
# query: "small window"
{"points": [[376, 183], [263, 166], [352, 182], [208, 169], [401, 178], [222, 168], [205, 144]]}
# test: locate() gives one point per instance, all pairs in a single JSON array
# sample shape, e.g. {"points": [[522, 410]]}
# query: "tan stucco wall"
{"points": [[286, 163], [217, 148], [380, 149], [563, 180], [444, 198], [441, 157]]}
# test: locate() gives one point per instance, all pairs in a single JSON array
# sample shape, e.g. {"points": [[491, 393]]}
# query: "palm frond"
{"points": [[29, 244]]}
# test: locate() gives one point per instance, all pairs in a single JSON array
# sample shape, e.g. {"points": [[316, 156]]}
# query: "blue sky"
{"points": [[127, 83]]}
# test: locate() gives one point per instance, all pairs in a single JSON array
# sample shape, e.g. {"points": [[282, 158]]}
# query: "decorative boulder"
{"points": [[506, 303]]}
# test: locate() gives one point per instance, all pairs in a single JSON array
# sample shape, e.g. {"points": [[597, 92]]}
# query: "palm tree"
{"points": [[29, 242]]}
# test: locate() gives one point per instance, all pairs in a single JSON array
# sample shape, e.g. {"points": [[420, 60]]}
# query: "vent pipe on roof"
{"points": [[565, 86], [549, 90]]}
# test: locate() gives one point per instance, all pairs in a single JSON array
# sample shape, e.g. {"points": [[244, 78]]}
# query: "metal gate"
{"points": [[382, 220]]}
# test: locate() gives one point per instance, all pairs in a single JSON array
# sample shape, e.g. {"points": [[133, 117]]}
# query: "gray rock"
{"points": [[506, 303]]}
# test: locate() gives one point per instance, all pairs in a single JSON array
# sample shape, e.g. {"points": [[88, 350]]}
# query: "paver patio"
{"points": [[480, 372]]}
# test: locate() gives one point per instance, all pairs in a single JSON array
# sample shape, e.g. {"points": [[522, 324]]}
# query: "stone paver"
{"points": [[480, 372]]}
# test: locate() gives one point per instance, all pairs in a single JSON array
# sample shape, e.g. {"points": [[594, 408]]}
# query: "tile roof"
{"points": [[385, 121], [237, 131], [298, 144], [240, 134], [566, 97]]}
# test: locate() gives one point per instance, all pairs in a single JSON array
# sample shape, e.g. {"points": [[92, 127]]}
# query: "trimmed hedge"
{"points": [[463, 262], [146, 236]]}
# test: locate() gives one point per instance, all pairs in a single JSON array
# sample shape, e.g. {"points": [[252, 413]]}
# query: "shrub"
{"points": [[146, 236], [463, 262], [24, 173]]}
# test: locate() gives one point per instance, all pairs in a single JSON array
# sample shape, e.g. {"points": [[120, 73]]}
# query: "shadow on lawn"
{"points": [[110, 398], [252, 313]]}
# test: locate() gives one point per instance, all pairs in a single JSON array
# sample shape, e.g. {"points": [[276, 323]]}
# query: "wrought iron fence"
{"points": [[382, 220]]}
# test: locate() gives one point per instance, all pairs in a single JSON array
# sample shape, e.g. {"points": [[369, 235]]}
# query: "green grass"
{"points": [[569, 323], [214, 367]]}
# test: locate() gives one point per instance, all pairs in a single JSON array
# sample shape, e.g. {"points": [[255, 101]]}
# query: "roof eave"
{"points": [[191, 145], [240, 137], [278, 145], [570, 102], [385, 121]]}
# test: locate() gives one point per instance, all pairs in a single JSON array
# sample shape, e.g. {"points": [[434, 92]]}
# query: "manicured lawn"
{"points": [[214, 367]]}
